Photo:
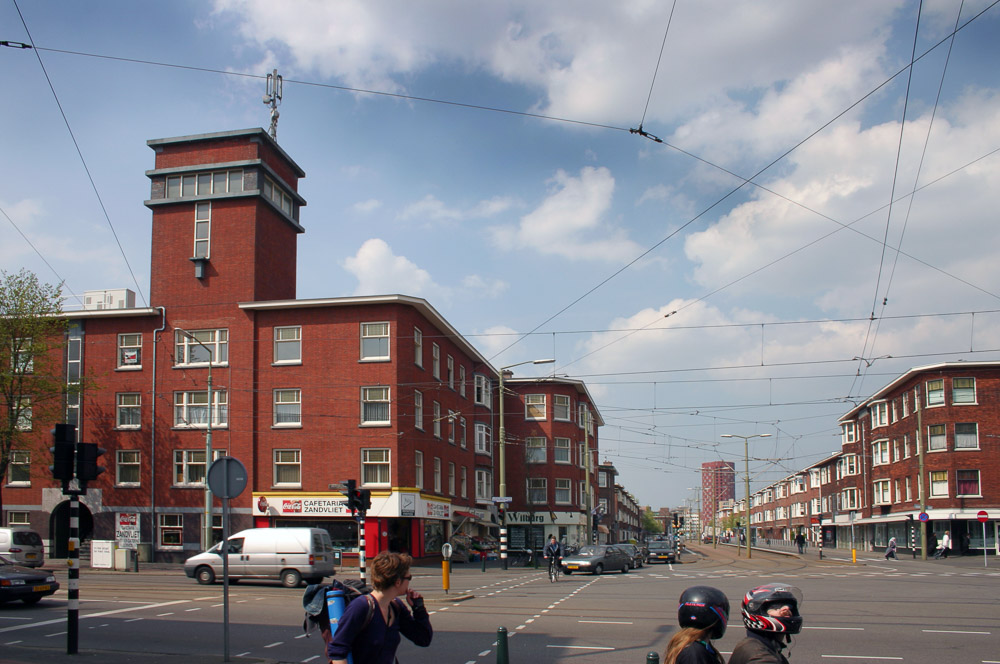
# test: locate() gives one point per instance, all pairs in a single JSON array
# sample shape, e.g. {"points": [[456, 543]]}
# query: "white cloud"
{"points": [[365, 207], [480, 286], [429, 208], [379, 271], [571, 222]]}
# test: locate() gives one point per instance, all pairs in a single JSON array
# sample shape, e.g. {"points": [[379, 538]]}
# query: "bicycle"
{"points": [[555, 570]]}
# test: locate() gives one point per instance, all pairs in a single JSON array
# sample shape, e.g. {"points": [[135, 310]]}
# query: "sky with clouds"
{"points": [[805, 215]]}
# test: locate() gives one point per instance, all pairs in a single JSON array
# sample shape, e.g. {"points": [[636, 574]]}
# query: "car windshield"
{"points": [[27, 538], [589, 551]]}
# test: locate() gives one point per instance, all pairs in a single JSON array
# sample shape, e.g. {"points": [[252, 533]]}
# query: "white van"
{"points": [[23, 546], [287, 554]]}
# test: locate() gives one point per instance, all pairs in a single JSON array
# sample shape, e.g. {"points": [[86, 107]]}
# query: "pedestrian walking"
{"points": [[703, 613], [369, 630], [890, 551], [800, 541], [932, 543], [944, 548], [771, 615]]}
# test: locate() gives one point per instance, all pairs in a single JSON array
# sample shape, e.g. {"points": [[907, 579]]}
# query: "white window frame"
{"points": [[130, 351], [537, 491], [202, 230], [376, 471], [964, 395], [482, 390], [563, 491], [371, 398], [465, 482], [463, 429], [452, 416], [418, 409], [418, 469], [128, 406], [880, 452], [283, 459], [882, 492], [535, 407], [186, 463], [484, 439], [25, 414], [287, 341], [377, 332], [966, 436], [130, 460], [937, 485], [287, 404], [18, 518], [937, 441], [849, 499], [215, 340], [535, 449], [562, 408], [20, 464], [450, 371], [461, 379], [418, 347], [173, 525], [195, 401], [484, 485], [562, 451], [436, 418], [435, 361], [848, 433], [451, 478], [879, 414], [935, 394]]}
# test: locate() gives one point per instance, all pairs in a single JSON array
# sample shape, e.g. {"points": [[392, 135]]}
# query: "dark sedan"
{"points": [[596, 559], [25, 584], [661, 552]]}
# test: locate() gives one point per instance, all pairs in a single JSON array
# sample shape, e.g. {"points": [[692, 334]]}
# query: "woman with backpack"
{"points": [[370, 628]]}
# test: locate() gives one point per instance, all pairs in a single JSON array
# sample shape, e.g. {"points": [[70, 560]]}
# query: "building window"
{"points": [[288, 345], [461, 379], [189, 466], [602, 479], [375, 406], [436, 407], [205, 184], [452, 416], [909, 489], [213, 346], [450, 370], [465, 482], [966, 436], [849, 499], [484, 485], [561, 451], [19, 469], [128, 410], [375, 466], [848, 465], [880, 414], [451, 478], [883, 494], [418, 347], [191, 409], [374, 342], [170, 531], [534, 406], [848, 433], [564, 491], [418, 468], [537, 490], [483, 391], [935, 392], [967, 482], [963, 390], [534, 450], [127, 467], [906, 403], [483, 439], [895, 451], [898, 494], [418, 409], [583, 493], [18, 519], [23, 411], [939, 484], [463, 433], [906, 446], [288, 408], [936, 438], [129, 351], [21, 358], [561, 408], [274, 193], [581, 455], [436, 361], [880, 453], [287, 468], [202, 230]]}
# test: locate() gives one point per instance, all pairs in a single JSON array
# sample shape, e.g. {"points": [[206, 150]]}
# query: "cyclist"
{"points": [[553, 553]]}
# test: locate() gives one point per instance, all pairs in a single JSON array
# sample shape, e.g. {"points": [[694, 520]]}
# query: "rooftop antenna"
{"points": [[272, 99]]}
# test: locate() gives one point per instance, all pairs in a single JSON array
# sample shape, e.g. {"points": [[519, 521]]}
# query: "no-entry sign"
{"points": [[983, 516]]}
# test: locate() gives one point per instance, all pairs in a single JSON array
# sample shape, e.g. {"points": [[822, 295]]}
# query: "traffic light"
{"points": [[364, 500], [63, 450], [351, 494], [502, 511], [87, 469]]}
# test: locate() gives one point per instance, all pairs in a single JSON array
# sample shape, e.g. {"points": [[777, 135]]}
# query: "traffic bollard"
{"points": [[652, 658], [482, 557], [502, 657], [445, 576]]}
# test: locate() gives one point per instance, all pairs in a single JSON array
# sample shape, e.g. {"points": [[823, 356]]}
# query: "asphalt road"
{"points": [[874, 611]]}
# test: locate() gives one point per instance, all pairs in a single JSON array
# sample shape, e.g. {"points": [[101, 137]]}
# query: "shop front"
{"points": [[530, 530]]}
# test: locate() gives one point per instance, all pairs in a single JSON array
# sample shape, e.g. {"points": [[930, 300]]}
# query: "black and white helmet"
{"points": [[702, 607], [758, 600]]}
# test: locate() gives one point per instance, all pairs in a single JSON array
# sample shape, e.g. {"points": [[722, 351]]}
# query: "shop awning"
{"points": [[464, 515], [602, 529]]}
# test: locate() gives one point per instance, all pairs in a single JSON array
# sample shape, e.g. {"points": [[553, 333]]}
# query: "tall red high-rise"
{"points": [[718, 483]]}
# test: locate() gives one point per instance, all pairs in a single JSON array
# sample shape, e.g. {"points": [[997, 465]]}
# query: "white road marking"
{"points": [[858, 657], [14, 618], [856, 629], [485, 653], [581, 647], [606, 622], [197, 608], [134, 619], [55, 634], [93, 615], [274, 645], [309, 659], [950, 631], [203, 599], [10, 643], [160, 615]]}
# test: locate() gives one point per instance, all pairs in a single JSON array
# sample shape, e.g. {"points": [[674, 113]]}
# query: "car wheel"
{"points": [[291, 578], [598, 570], [32, 599], [205, 576]]}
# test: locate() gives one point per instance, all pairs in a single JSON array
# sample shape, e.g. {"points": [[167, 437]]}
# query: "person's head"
{"points": [[389, 568], [773, 610], [552, 538], [704, 608]]}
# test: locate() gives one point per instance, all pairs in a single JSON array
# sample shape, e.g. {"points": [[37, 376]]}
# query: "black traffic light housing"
{"points": [[502, 511], [351, 493], [63, 454], [87, 469], [364, 500]]}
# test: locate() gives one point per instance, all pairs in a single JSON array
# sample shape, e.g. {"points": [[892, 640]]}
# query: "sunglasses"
{"points": [[407, 577]]}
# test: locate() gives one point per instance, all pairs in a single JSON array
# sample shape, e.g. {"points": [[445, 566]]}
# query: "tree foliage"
{"points": [[650, 524], [32, 381]]}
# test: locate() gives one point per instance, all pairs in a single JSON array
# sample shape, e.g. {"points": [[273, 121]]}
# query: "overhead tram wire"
{"points": [[656, 70]]}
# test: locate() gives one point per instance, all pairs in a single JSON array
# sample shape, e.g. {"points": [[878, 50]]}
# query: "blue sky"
{"points": [[545, 214]]}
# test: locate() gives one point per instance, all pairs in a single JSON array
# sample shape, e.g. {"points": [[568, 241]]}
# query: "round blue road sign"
{"points": [[923, 516]]}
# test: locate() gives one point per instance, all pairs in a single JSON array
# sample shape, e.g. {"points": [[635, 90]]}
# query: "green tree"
{"points": [[32, 381], [650, 524]]}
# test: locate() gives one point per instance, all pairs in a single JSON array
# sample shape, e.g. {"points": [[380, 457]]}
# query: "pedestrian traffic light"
{"points": [[364, 499], [502, 511], [63, 451], [87, 469], [350, 492]]}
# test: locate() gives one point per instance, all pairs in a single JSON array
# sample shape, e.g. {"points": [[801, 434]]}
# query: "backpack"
{"points": [[314, 603]]}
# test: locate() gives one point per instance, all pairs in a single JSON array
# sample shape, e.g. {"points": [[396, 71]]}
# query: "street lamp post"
{"points": [[206, 535], [746, 468], [503, 457]]}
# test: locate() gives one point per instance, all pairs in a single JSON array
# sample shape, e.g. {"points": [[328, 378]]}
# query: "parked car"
{"points": [[637, 555], [22, 546], [662, 551], [287, 554], [597, 559], [23, 583]]}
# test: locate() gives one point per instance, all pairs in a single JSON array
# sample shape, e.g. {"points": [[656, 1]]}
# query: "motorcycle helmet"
{"points": [[702, 607], [758, 600]]}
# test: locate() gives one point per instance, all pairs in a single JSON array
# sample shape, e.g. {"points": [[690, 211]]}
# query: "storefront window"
{"points": [[433, 536]]}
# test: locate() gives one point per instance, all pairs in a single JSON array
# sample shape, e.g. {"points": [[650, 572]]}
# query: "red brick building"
{"points": [[718, 484], [306, 393]]}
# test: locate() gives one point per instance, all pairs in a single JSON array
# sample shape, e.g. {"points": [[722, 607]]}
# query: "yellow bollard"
{"points": [[854, 555], [445, 576]]}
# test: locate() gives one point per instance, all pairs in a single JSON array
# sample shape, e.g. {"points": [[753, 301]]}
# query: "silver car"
{"points": [[597, 559]]}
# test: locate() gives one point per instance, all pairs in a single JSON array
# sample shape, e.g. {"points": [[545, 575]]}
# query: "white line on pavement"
{"points": [[484, 653], [10, 643], [93, 615], [856, 629], [581, 647], [274, 645], [950, 631], [858, 657], [606, 622], [309, 659]]}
